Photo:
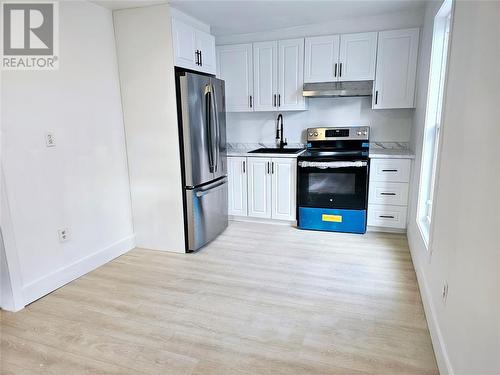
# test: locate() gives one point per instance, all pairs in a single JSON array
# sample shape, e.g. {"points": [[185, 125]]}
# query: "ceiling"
{"points": [[240, 17], [123, 4]]}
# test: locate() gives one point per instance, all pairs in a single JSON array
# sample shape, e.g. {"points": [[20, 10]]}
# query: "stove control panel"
{"points": [[332, 134]]}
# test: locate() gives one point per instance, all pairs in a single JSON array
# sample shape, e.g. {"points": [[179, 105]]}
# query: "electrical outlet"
{"points": [[50, 140], [444, 293], [63, 234]]}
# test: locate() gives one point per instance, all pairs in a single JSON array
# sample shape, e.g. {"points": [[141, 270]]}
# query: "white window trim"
{"points": [[425, 210]]}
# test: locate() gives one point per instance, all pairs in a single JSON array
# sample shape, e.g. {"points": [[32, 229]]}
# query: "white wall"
{"points": [[146, 64], [397, 20], [386, 125], [465, 237], [82, 183]]}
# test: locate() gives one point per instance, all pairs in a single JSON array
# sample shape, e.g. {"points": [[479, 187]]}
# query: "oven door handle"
{"points": [[332, 164]]}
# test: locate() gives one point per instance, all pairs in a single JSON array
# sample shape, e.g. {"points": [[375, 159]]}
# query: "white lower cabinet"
{"points": [[388, 193], [237, 186], [262, 187], [283, 182], [259, 187]]}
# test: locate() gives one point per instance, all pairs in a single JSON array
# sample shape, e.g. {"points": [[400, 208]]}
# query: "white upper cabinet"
{"points": [[265, 75], [358, 54], [394, 85], [291, 74], [234, 66], [193, 49], [184, 41], [348, 57], [321, 58], [205, 43]]}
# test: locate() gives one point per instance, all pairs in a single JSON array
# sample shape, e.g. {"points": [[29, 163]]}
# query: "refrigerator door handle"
{"points": [[208, 119], [215, 124], [211, 189]]}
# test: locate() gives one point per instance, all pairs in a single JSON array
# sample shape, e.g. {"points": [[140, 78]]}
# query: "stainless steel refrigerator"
{"points": [[202, 129]]}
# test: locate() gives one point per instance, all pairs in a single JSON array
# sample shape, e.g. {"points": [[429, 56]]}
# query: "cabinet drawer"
{"points": [[393, 193], [387, 216], [390, 170]]}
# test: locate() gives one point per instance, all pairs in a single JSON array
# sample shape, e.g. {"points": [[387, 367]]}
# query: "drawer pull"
{"points": [[389, 170], [386, 216], [387, 193]]}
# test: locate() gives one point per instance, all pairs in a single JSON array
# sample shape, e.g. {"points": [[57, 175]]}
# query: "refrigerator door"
{"points": [[219, 110], [198, 132], [206, 213]]}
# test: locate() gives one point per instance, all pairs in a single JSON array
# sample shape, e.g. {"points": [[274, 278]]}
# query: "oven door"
{"points": [[333, 184]]}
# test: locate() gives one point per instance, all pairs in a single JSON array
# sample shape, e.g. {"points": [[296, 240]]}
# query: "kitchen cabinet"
{"points": [[291, 75], [263, 76], [394, 85], [262, 187], [321, 58], [388, 193], [283, 188], [357, 57], [259, 187], [235, 67], [237, 186], [272, 188], [347, 57], [193, 49]]}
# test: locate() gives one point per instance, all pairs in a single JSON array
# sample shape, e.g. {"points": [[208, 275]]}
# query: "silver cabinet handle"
{"points": [[272, 167], [244, 169], [387, 193], [389, 170], [251, 101], [386, 216], [267, 167], [335, 72]]}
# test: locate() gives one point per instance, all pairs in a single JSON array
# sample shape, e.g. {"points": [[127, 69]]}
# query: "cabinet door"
{"points": [[284, 177], [291, 74], [259, 187], [265, 75], [184, 43], [205, 43], [237, 185], [357, 58], [234, 66], [321, 57], [396, 69]]}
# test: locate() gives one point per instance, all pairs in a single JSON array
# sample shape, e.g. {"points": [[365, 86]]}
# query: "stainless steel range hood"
{"points": [[335, 89]]}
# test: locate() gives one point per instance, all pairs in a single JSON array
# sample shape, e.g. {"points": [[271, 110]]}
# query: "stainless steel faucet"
{"points": [[279, 131]]}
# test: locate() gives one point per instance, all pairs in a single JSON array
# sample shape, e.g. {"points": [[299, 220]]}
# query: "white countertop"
{"points": [[378, 150], [390, 150], [243, 149]]}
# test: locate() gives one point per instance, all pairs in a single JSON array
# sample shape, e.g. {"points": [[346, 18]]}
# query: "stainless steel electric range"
{"points": [[333, 180]]}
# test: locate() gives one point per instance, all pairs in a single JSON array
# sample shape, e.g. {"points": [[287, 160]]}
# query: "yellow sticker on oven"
{"points": [[332, 218]]}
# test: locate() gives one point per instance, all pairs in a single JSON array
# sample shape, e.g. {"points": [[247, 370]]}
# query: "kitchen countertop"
{"points": [[390, 150], [242, 149], [378, 150]]}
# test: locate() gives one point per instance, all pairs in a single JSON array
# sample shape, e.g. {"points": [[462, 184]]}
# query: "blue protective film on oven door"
{"points": [[333, 220]]}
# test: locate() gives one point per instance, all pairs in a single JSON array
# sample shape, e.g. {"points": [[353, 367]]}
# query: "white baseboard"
{"points": [[442, 359], [249, 219], [64, 275]]}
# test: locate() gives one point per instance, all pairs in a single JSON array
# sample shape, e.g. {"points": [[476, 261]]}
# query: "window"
{"points": [[433, 117]]}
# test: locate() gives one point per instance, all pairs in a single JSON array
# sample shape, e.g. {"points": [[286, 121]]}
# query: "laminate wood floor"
{"points": [[261, 299]]}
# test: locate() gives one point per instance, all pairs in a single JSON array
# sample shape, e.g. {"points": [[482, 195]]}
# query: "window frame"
{"points": [[434, 114]]}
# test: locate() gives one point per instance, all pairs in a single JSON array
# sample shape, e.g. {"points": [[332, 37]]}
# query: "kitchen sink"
{"points": [[274, 150]]}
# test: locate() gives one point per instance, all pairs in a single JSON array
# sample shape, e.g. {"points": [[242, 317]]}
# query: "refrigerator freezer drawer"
{"points": [[206, 213]]}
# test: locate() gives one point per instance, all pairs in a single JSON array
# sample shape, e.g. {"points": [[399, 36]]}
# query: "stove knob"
{"points": [[310, 134], [358, 133], [365, 133], [315, 134]]}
